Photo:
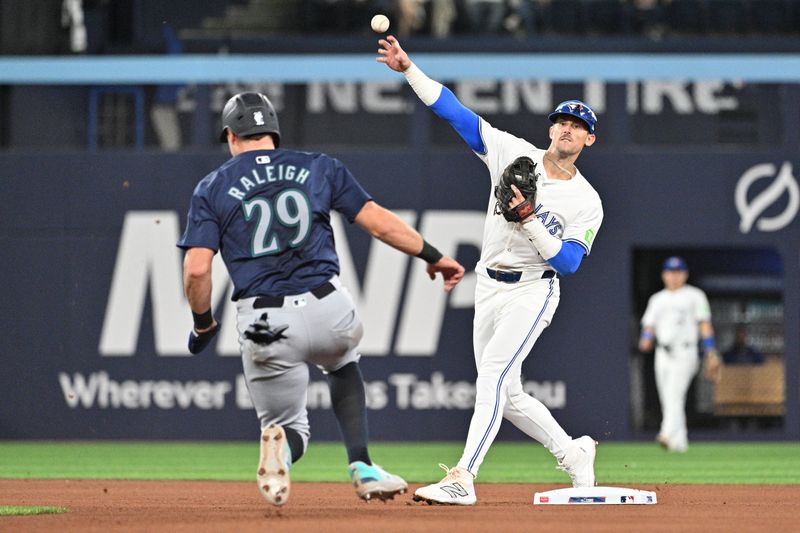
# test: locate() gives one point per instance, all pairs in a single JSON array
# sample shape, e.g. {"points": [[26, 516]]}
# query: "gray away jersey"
{"points": [[268, 213]]}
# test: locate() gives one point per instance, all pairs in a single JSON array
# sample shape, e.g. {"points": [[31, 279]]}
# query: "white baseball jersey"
{"points": [[570, 209], [674, 315]]}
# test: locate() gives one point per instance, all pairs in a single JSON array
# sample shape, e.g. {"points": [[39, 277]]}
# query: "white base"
{"points": [[595, 496]]}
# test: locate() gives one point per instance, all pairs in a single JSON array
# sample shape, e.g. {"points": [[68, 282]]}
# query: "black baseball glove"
{"points": [[521, 173], [261, 332], [199, 341]]}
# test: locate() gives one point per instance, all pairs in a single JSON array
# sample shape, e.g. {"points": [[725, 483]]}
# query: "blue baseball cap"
{"points": [[577, 109], [675, 263]]}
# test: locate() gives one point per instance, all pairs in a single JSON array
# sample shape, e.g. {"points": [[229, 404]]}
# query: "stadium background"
{"points": [[96, 177]]}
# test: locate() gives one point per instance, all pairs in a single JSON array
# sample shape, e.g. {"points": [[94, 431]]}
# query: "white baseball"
{"points": [[380, 23]]}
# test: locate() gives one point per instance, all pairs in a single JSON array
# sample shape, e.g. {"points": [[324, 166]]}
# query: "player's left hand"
{"points": [[516, 190], [517, 199], [199, 340], [451, 271], [712, 366]]}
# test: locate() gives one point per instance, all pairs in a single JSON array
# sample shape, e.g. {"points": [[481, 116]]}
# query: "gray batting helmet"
{"points": [[250, 114]]}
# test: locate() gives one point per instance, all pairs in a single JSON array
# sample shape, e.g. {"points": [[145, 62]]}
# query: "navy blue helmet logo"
{"points": [[577, 109]]}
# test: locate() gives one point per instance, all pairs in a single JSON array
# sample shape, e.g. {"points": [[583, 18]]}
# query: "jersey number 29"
{"points": [[290, 209]]}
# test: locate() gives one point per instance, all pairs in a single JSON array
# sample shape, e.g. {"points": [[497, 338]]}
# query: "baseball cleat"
{"points": [[455, 489], [373, 482], [672, 445], [578, 461], [679, 447], [273, 465]]}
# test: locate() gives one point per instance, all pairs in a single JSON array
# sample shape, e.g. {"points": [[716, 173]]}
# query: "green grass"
{"points": [[16, 510], [712, 463]]}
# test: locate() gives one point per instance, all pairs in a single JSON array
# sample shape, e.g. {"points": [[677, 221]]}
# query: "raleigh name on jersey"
{"points": [[570, 209], [268, 213]]}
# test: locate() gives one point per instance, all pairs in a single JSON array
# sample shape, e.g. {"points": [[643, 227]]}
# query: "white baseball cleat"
{"points": [[679, 446], [578, 461], [455, 489], [273, 465], [673, 445]]}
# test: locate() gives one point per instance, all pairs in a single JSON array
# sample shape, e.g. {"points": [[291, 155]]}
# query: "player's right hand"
{"points": [[712, 367], [451, 271], [392, 54], [199, 340]]}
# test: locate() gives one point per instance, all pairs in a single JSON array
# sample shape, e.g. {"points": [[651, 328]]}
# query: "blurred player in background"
{"points": [[267, 211], [518, 273], [741, 351], [673, 317]]}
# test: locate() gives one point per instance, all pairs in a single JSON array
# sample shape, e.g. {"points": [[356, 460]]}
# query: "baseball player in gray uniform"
{"points": [[530, 240], [267, 211], [675, 318]]}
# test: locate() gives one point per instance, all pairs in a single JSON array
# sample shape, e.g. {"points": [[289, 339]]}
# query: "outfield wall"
{"points": [[94, 322]]}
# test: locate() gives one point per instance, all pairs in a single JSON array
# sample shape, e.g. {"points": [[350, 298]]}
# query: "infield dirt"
{"points": [[321, 507]]}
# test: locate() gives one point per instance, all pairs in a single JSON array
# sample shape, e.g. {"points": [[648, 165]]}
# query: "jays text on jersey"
{"points": [[570, 209]]}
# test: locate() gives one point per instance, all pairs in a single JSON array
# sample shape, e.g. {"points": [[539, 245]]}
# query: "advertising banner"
{"points": [[95, 321]]}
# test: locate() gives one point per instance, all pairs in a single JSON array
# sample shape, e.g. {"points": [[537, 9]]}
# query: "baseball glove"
{"points": [[261, 332], [522, 174], [199, 341]]}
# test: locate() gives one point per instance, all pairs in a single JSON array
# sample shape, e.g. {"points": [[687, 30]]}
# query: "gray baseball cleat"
{"points": [[372, 481], [578, 461], [273, 465]]}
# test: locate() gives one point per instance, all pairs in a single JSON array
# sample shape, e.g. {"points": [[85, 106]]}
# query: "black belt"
{"points": [[510, 276], [277, 301], [668, 347]]}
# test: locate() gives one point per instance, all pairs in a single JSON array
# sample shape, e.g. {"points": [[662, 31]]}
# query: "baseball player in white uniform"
{"points": [[673, 318], [518, 274]]}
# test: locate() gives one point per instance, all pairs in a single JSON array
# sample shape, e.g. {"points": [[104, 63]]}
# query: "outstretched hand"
{"points": [[451, 271], [392, 54]]}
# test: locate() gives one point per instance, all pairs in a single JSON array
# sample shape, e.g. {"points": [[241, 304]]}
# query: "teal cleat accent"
{"points": [[372, 481]]}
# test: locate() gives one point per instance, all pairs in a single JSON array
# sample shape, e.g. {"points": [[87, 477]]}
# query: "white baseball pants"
{"points": [[675, 369], [509, 317]]}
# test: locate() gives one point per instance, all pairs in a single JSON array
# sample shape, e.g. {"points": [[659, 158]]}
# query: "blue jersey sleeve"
{"points": [[348, 196], [568, 259], [202, 227], [462, 119]]}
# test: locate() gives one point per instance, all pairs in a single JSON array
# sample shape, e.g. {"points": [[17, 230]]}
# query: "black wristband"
{"points": [[203, 320], [429, 254]]}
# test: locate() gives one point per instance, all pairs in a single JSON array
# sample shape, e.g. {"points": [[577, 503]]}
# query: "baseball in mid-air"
{"points": [[380, 23]]}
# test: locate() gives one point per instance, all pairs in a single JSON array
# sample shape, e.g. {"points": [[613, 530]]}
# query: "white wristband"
{"points": [[547, 244], [427, 89]]}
